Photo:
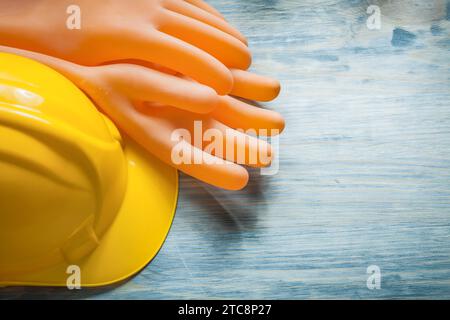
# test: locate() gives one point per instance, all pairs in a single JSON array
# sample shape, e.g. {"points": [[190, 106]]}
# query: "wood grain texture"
{"points": [[364, 166]]}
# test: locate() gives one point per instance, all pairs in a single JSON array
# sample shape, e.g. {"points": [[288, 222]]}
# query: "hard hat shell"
{"points": [[74, 197]]}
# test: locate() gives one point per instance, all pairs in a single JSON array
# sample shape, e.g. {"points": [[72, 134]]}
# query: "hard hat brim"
{"points": [[134, 238]]}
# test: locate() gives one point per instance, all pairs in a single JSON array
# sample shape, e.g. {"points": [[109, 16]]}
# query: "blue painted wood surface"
{"points": [[365, 166]]}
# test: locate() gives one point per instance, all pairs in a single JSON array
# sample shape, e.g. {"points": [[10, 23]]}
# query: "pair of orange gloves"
{"points": [[154, 66]]}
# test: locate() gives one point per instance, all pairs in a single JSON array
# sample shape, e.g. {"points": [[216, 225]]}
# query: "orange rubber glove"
{"points": [[180, 35], [135, 98]]}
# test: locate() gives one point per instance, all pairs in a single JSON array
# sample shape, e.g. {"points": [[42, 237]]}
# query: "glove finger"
{"points": [[194, 12], [254, 87], [240, 115], [206, 7], [170, 52], [224, 47], [147, 85]]}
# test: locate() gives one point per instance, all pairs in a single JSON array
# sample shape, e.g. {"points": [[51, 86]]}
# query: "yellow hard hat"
{"points": [[74, 197]]}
